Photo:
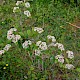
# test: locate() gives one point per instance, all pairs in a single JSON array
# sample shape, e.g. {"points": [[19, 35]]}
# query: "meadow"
{"points": [[39, 40]]}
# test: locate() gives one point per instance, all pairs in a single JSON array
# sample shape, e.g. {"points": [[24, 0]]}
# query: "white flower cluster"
{"points": [[16, 38], [52, 38], [1, 52], [41, 45], [11, 36], [15, 8], [27, 13], [70, 54], [37, 52], [39, 30], [59, 45], [27, 5], [60, 58], [69, 66], [18, 2], [26, 43], [6, 48]]}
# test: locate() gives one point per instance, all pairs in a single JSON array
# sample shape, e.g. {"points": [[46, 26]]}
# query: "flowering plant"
{"points": [[34, 52]]}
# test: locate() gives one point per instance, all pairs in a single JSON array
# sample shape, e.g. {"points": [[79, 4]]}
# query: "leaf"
{"points": [[19, 44], [33, 75], [29, 72], [67, 60], [31, 68], [29, 33], [78, 69], [21, 33], [52, 59]]}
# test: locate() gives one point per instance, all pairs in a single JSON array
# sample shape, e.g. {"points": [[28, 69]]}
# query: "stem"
{"points": [[38, 64], [42, 64], [73, 25]]}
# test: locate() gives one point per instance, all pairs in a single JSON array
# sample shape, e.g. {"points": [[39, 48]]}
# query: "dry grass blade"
{"points": [[73, 25]]}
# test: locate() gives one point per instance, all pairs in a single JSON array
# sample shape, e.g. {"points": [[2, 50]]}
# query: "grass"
{"points": [[53, 17]]}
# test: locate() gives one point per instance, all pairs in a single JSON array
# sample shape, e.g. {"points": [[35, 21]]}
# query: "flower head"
{"points": [[37, 52], [19, 2], [39, 30], [52, 38], [27, 13], [2, 52], [15, 8], [7, 47], [16, 38], [70, 54], [69, 66], [60, 58], [60, 46], [38, 43], [27, 4], [26, 43], [9, 37], [43, 46]]}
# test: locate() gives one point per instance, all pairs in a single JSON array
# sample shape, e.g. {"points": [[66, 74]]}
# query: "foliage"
{"points": [[19, 63]]}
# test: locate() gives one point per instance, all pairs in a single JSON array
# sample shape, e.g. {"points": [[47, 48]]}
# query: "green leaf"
{"points": [[31, 68], [52, 59], [33, 75], [29, 33], [29, 72], [78, 69], [67, 60], [21, 33]]}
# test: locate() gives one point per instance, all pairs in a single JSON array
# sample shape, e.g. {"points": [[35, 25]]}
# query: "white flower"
{"points": [[27, 4], [49, 37], [37, 52], [70, 54], [60, 46], [60, 58], [29, 42], [38, 43], [25, 44], [11, 36], [15, 8], [6, 48], [2, 52], [52, 38], [14, 40], [53, 44], [17, 37], [13, 29], [43, 46], [19, 2], [10, 32], [69, 66], [27, 13], [39, 30]]}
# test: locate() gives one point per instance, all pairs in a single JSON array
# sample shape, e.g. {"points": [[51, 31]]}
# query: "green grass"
{"points": [[52, 17]]}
